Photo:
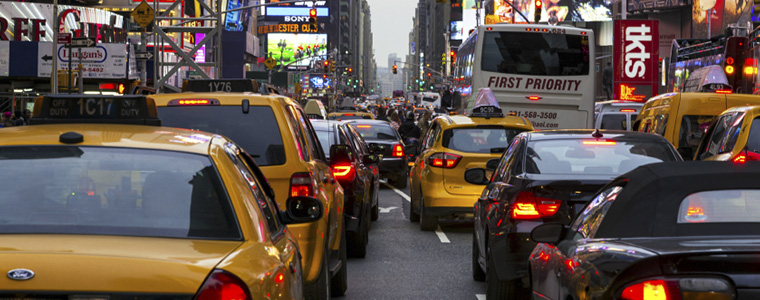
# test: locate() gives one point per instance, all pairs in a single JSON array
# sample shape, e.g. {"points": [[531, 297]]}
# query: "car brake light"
{"points": [[527, 206], [444, 160], [221, 285], [348, 115], [534, 98], [301, 184], [628, 110], [745, 156], [194, 102], [344, 172], [679, 288], [398, 151], [363, 126], [726, 91], [599, 142]]}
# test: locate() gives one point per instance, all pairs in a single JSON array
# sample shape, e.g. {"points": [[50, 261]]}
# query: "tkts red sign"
{"points": [[636, 57]]}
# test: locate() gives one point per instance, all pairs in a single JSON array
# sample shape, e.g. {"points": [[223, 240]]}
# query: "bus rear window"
{"points": [[533, 53]]}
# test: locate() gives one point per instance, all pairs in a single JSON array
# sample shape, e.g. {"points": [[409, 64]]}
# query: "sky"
{"points": [[391, 24]]}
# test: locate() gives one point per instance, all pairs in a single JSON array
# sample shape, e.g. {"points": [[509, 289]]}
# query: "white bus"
{"points": [[541, 72]]}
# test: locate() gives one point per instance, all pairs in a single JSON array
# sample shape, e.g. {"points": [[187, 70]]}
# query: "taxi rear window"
{"points": [[723, 206], [257, 131], [113, 191], [478, 140], [376, 131]]}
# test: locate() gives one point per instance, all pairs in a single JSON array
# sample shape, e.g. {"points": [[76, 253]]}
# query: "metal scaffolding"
{"points": [[166, 24]]}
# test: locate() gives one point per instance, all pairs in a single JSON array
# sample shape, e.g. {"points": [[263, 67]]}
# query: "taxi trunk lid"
{"points": [[453, 179], [105, 264]]}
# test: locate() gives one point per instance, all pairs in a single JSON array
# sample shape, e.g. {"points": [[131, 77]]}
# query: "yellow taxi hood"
{"points": [[110, 264]]}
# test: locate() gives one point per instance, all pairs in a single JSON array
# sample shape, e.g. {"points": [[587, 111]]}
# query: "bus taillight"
{"points": [[729, 70], [534, 98]]}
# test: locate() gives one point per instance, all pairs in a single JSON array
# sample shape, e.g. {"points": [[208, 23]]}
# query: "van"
{"points": [[682, 118], [616, 114]]}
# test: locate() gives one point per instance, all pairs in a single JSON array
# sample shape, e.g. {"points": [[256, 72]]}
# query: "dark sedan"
{"points": [[663, 231], [394, 165], [546, 177], [356, 171]]}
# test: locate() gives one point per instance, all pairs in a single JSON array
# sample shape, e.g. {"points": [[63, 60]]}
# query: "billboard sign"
{"points": [[106, 60], [294, 12], [636, 58], [457, 31], [27, 21], [564, 10], [294, 49]]}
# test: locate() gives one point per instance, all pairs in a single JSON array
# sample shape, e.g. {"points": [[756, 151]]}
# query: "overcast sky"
{"points": [[391, 24]]}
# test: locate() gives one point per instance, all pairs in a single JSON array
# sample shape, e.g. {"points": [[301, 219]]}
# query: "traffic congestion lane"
{"points": [[405, 263]]}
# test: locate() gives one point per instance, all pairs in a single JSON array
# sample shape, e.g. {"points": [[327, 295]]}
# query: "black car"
{"points": [[688, 230], [395, 163], [546, 177], [355, 168]]}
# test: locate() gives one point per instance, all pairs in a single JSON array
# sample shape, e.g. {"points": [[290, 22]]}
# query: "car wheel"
{"points": [[427, 223], [499, 289], [320, 288], [339, 281], [413, 216], [357, 241], [477, 271], [376, 212]]}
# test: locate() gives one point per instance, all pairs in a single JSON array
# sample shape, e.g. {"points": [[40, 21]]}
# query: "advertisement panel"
{"points": [[291, 49], [636, 57], [457, 31], [294, 12], [564, 10], [25, 21], [101, 61], [722, 13], [5, 58]]}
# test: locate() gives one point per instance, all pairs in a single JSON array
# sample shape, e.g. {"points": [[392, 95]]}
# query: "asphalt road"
{"points": [[405, 263]]}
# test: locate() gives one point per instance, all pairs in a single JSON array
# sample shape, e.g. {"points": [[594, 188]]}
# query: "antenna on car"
{"points": [[596, 133]]}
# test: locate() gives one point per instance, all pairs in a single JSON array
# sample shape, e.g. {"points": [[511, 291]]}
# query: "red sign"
{"points": [[64, 38], [636, 58]]}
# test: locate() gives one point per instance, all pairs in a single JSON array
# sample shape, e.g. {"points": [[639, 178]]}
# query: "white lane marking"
{"points": [[480, 296], [402, 194], [442, 236], [384, 210]]}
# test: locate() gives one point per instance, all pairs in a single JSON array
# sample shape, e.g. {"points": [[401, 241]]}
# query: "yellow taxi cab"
{"points": [[315, 109], [733, 136], [350, 115], [452, 145], [683, 117], [99, 201], [277, 133]]}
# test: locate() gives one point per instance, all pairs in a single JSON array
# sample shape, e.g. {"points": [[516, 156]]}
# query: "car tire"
{"points": [[477, 271], [357, 241], [376, 212], [320, 288], [427, 223], [413, 216], [499, 289], [339, 281]]}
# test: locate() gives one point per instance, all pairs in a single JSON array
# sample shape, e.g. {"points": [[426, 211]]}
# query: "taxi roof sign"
{"points": [[706, 79], [236, 85], [486, 105], [99, 109]]}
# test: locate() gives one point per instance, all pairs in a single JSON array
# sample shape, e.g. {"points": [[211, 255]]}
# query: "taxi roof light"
{"points": [[486, 105], [101, 109]]}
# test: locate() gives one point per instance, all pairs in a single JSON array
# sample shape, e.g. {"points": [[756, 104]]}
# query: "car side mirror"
{"points": [[340, 154], [687, 153], [550, 233], [370, 159], [301, 209], [476, 176], [492, 164]]}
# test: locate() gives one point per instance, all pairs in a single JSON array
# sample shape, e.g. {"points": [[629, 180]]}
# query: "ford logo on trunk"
{"points": [[20, 274]]}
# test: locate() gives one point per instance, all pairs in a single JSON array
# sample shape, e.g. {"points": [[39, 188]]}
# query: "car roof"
{"points": [[467, 121], [741, 109], [324, 124], [368, 121], [223, 98], [112, 135], [586, 133]]}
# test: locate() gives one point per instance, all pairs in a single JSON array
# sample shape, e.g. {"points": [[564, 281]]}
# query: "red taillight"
{"points": [[344, 172], [628, 110], [444, 160], [724, 91], [527, 206], [398, 150], [107, 86], [651, 290], [221, 285], [746, 156], [534, 98], [279, 278], [194, 102], [600, 143], [348, 115], [301, 184]]}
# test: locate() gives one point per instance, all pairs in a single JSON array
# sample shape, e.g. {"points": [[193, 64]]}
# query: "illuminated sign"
{"points": [[24, 21], [286, 28], [564, 10], [295, 49], [290, 12], [634, 93], [636, 58]]}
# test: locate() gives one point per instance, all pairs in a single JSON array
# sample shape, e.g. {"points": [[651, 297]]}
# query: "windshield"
{"points": [[532, 53], [478, 140], [428, 99], [613, 121], [326, 139], [692, 129], [376, 131], [112, 191], [604, 157], [257, 131]]}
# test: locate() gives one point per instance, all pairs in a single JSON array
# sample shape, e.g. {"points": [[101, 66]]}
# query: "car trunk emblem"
{"points": [[20, 274]]}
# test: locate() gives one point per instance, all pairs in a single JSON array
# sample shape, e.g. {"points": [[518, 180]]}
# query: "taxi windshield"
{"points": [[478, 140], [598, 157], [112, 191], [257, 131]]}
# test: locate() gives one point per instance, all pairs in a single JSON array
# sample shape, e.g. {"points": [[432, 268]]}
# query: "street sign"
{"points": [[64, 38], [143, 14], [143, 55], [270, 63], [82, 42]]}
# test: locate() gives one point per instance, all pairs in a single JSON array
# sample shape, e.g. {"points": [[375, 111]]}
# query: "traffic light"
{"points": [[395, 69], [350, 71], [453, 56], [327, 65], [537, 11], [313, 20], [332, 66]]}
